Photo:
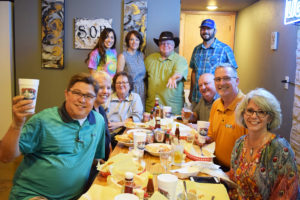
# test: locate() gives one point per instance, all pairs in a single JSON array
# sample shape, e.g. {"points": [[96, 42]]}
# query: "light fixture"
{"points": [[212, 7]]}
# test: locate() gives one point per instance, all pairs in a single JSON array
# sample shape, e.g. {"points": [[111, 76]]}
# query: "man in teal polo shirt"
{"points": [[166, 72], [59, 144]]}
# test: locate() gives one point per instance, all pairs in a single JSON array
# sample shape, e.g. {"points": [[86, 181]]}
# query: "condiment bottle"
{"points": [[177, 132], [167, 138], [128, 185], [150, 186], [157, 123]]}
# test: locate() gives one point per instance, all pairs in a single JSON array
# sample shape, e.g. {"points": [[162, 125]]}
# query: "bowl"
{"points": [[154, 148], [185, 172]]}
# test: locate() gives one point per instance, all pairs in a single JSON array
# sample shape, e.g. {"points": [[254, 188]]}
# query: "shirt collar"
{"points": [[233, 104], [68, 119], [114, 97], [170, 57], [213, 45]]}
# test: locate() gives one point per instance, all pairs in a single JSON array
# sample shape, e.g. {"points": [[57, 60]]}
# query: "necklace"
{"points": [[252, 148]]}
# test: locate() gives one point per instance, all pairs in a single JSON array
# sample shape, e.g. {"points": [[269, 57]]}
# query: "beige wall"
{"points": [[258, 65], [6, 65]]}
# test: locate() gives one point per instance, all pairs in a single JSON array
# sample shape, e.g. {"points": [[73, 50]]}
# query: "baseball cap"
{"points": [[208, 23]]}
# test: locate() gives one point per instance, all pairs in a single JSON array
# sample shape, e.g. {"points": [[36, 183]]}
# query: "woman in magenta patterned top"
{"points": [[104, 55], [262, 164]]}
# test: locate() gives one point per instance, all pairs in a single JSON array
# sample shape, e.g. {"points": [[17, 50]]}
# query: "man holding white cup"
{"points": [[223, 129], [59, 144]]}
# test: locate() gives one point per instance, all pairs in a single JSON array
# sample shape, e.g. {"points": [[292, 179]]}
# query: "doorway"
{"points": [[190, 33]]}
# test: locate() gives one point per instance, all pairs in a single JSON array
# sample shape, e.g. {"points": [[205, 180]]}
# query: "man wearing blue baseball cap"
{"points": [[206, 57]]}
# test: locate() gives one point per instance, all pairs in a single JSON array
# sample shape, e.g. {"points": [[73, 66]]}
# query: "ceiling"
{"points": [[223, 5]]}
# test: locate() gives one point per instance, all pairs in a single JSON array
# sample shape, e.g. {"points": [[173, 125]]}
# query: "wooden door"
{"points": [[190, 32]]}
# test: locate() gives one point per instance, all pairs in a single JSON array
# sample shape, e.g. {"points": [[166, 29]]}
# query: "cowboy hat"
{"points": [[166, 35]]}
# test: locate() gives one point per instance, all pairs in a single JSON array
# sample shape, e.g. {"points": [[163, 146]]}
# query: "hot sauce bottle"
{"points": [[150, 186], [177, 132], [128, 185]]}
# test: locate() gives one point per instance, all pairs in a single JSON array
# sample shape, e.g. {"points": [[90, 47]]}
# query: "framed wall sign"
{"points": [[87, 31]]}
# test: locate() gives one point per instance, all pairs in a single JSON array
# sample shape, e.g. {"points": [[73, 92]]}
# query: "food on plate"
{"points": [[158, 148], [135, 125], [125, 138], [122, 163]]}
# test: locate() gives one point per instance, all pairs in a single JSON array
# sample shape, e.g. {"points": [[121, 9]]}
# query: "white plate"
{"points": [[156, 145], [185, 172], [130, 144], [137, 130]]}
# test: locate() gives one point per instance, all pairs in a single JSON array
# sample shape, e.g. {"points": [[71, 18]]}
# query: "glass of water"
{"points": [[165, 160]]}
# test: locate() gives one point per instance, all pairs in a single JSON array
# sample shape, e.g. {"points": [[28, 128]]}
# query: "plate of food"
{"points": [[121, 163], [194, 152], [125, 139], [156, 148], [136, 125]]}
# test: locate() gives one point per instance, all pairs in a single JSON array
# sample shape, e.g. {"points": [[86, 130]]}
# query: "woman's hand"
{"points": [[114, 125]]}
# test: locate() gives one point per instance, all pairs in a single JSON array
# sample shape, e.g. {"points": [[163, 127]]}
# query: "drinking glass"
{"points": [[165, 160]]}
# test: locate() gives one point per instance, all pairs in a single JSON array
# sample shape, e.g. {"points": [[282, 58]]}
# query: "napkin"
{"points": [[99, 192], [158, 196], [204, 191]]}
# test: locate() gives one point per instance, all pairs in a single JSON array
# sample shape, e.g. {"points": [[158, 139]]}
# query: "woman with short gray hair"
{"points": [[262, 163]]}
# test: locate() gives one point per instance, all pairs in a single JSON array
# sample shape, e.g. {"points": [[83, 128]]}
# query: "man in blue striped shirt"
{"points": [[207, 56]]}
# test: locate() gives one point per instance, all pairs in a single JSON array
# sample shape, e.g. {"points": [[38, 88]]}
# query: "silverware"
{"points": [[201, 151], [185, 192]]}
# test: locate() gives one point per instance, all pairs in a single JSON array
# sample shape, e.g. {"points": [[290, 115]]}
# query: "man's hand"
{"points": [[20, 108], [172, 82], [208, 140]]}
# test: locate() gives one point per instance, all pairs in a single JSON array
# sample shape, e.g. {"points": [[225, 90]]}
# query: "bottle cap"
{"points": [[129, 175], [150, 175]]}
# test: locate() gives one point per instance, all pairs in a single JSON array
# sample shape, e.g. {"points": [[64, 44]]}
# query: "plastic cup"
{"points": [[167, 184], [146, 117], [186, 115], [167, 110], [177, 154], [29, 89], [126, 196], [202, 128], [139, 142]]}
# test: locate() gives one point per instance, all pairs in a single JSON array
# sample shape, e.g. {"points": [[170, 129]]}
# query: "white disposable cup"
{"points": [[167, 184], [29, 89], [139, 142], [167, 110], [126, 196], [202, 128]]}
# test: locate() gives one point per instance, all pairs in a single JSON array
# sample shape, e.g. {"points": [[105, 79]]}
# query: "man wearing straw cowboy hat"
{"points": [[166, 72]]}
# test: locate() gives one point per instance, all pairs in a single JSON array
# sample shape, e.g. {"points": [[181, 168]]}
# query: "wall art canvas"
{"points": [[53, 34], [135, 18], [87, 31]]}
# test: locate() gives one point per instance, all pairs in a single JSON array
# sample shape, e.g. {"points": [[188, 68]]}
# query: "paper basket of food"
{"points": [[194, 152], [123, 163]]}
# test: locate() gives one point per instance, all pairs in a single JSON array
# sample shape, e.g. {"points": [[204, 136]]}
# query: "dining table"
{"points": [[152, 165]]}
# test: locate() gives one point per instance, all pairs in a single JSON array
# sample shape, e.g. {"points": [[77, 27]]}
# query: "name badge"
{"points": [[228, 125]]}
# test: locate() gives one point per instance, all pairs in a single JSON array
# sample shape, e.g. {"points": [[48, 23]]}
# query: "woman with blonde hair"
{"points": [[262, 163]]}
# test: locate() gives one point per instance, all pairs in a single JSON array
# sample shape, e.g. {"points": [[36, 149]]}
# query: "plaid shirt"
{"points": [[205, 60]]}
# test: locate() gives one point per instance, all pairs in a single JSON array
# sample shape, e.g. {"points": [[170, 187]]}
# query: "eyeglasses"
{"points": [[78, 94], [259, 113], [225, 78], [121, 83]]}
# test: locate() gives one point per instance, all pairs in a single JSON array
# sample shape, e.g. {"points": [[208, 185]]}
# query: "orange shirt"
{"points": [[223, 128]]}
